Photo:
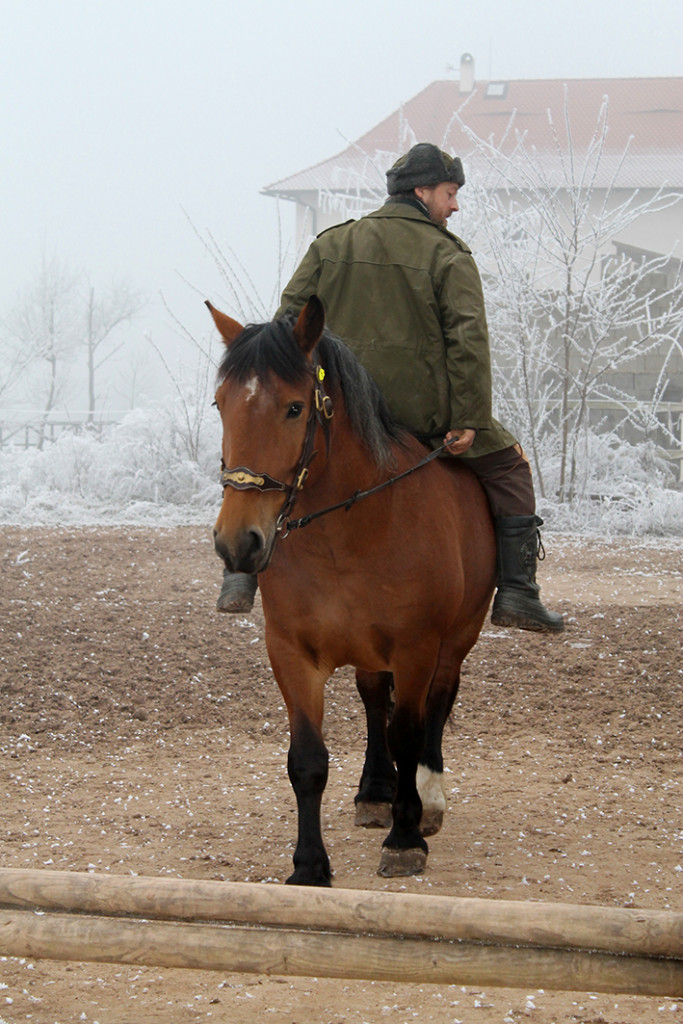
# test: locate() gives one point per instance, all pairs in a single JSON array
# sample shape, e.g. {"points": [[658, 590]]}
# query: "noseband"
{"points": [[243, 479]]}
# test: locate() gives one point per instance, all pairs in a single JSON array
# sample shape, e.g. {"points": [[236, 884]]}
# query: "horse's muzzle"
{"points": [[248, 552]]}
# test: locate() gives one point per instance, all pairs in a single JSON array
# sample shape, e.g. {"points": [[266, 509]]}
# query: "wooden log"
{"points": [[497, 922], [339, 933], [276, 951]]}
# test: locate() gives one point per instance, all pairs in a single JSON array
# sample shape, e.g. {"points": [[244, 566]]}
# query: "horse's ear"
{"points": [[309, 327], [227, 327]]}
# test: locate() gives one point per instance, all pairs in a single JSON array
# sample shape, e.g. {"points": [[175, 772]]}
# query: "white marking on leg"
{"points": [[430, 788]]}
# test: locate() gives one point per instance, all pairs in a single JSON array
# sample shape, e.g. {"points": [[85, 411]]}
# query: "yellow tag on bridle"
{"points": [[320, 373]]}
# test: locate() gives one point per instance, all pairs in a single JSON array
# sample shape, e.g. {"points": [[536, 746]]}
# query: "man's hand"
{"points": [[459, 441]]}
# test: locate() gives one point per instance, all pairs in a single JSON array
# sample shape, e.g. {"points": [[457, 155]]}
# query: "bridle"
{"points": [[241, 478], [321, 412]]}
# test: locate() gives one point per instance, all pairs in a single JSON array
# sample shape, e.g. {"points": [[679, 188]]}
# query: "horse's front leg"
{"points": [[404, 851], [377, 784], [302, 684], [307, 765]]}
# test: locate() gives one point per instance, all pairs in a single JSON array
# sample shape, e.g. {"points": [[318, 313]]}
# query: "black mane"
{"points": [[262, 349]]}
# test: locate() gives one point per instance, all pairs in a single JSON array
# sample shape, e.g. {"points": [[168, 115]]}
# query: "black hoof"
{"points": [[321, 877]]}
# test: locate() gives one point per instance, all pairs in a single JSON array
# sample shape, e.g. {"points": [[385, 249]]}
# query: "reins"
{"points": [[297, 524]]}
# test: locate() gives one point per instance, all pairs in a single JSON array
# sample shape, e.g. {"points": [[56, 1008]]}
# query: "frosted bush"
{"points": [[143, 460], [650, 511], [625, 490], [142, 471]]}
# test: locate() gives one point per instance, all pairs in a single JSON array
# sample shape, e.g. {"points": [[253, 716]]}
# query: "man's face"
{"points": [[440, 200]]}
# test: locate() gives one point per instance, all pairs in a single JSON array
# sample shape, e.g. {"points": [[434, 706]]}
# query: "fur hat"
{"points": [[422, 166]]}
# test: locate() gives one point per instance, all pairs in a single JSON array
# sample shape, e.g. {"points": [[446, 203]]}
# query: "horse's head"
{"points": [[269, 397]]}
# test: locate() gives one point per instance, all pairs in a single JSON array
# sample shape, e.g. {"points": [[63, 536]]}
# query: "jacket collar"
{"points": [[410, 211], [412, 201]]}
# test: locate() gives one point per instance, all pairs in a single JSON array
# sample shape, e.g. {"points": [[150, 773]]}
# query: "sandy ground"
{"points": [[143, 733]]}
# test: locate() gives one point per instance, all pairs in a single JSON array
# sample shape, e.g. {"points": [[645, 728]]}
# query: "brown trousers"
{"points": [[506, 479]]}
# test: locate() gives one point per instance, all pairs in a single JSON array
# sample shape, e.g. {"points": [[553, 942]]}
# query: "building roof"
{"points": [[645, 114]]}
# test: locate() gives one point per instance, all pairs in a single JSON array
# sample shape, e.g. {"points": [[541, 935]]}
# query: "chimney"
{"points": [[466, 73]]}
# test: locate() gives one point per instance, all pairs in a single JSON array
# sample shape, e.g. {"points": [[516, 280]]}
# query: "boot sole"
{"points": [[234, 607], [522, 622]]}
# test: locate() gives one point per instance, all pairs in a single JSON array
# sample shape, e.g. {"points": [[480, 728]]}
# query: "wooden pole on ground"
{"points": [[267, 929]]}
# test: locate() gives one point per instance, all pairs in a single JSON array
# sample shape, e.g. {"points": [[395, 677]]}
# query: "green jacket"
{"points": [[405, 295]]}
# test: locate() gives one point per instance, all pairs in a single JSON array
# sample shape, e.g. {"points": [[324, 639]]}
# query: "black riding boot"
{"points": [[238, 592], [518, 545]]}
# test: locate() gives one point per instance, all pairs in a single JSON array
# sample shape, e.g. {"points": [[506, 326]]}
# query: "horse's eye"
{"points": [[295, 410]]}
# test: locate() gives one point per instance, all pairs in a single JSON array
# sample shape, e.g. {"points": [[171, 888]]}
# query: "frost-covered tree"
{"points": [[56, 320], [193, 387], [41, 334], [103, 315], [13, 362], [235, 284], [567, 310]]}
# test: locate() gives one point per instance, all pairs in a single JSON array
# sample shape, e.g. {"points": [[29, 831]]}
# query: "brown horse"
{"points": [[396, 583]]}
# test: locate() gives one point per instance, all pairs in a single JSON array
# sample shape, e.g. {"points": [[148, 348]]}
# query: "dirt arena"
{"points": [[143, 733]]}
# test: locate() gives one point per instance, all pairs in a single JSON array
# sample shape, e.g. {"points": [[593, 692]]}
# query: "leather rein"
{"points": [[242, 479]]}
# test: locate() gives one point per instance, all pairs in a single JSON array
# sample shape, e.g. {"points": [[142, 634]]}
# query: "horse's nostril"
{"points": [[220, 548], [253, 543], [258, 540], [244, 552]]}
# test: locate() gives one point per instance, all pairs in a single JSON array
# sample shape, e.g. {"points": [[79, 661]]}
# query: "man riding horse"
{"points": [[404, 293]]}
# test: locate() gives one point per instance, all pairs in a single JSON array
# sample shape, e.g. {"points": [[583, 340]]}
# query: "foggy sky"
{"points": [[118, 114]]}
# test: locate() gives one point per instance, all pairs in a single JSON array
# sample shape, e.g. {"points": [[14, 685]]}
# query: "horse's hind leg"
{"points": [[404, 851], [442, 695], [378, 780]]}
